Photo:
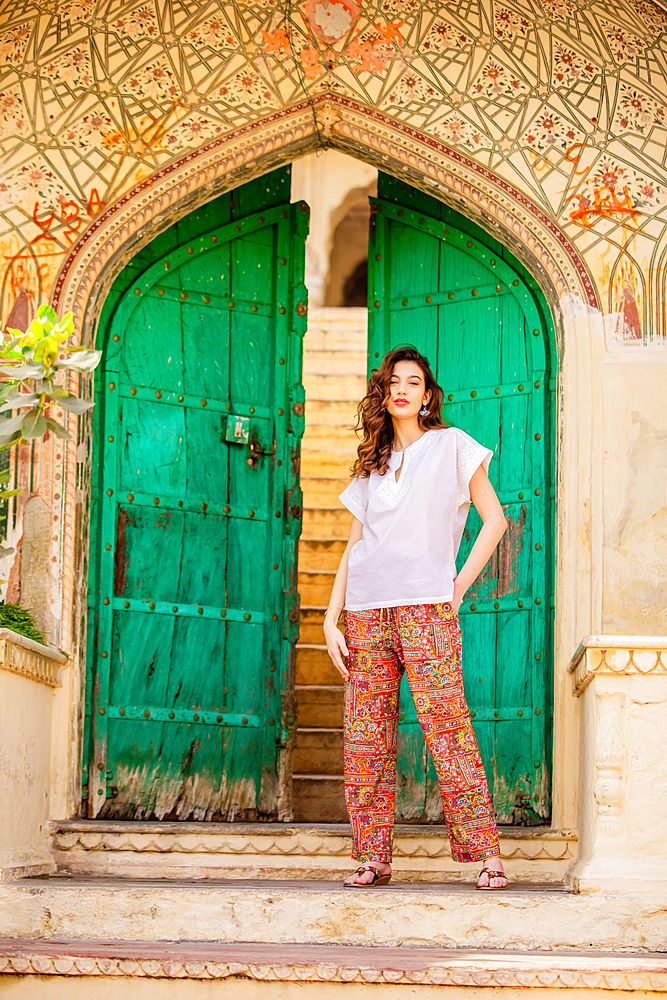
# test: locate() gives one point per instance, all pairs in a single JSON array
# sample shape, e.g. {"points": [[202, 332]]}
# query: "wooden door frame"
{"points": [[90, 268]]}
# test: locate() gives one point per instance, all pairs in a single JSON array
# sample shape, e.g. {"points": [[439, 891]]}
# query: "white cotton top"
{"points": [[412, 528]]}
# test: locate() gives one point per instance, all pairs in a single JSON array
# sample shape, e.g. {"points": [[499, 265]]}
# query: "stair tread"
{"points": [[330, 954]]}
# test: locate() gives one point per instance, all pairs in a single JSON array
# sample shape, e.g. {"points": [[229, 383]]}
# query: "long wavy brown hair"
{"points": [[374, 424]]}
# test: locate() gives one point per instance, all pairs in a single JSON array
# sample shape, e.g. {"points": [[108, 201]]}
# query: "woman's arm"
{"points": [[494, 527], [334, 637]]}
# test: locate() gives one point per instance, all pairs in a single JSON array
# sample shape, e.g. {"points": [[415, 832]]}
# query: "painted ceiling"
{"points": [[566, 100]]}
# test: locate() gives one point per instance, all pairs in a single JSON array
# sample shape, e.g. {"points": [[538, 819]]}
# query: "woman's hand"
{"points": [[336, 647], [459, 594]]}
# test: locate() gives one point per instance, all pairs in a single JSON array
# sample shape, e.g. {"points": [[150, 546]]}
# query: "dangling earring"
{"points": [[424, 412]]}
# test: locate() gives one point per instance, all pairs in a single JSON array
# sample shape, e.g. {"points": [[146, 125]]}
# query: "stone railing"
{"points": [[29, 671], [622, 685]]}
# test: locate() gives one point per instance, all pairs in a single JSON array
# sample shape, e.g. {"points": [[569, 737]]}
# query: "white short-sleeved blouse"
{"points": [[412, 528]]}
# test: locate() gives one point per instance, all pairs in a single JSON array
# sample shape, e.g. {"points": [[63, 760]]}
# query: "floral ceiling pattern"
{"points": [[566, 100]]}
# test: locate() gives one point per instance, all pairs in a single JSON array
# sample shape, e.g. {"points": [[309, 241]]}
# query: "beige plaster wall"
{"points": [[26, 708], [634, 513]]}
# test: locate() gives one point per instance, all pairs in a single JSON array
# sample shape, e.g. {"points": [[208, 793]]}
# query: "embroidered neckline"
{"points": [[392, 492]]}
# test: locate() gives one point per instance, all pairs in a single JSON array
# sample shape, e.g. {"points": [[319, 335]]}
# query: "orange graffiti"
{"points": [[70, 212], [390, 32], [605, 206], [575, 160], [95, 204], [44, 225], [276, 41]]}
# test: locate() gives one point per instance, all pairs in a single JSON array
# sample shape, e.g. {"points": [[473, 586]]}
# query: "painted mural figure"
{"points": [[414, 480]]}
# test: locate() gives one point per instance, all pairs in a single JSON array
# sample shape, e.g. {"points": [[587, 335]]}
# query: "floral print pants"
{"points": [[425, 641]]}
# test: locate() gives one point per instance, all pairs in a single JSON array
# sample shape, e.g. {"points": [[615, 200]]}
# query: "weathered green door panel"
{"points": [[192, 567], [437, 281]]}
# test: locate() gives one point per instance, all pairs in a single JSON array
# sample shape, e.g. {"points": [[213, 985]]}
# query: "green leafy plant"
{"points": [[20, 620], [30, 364]]}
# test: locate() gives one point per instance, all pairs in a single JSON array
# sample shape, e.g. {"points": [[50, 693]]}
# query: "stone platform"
{"points": [[523, 917]]}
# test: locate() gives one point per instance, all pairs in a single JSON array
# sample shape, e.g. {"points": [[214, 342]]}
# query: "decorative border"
{"points": [[70, 836], [513, 972], [637, 656], [40, 667]]}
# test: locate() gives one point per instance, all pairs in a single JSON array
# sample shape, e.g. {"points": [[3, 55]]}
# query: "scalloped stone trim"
{"points": [[633, 657], [327, 964]]}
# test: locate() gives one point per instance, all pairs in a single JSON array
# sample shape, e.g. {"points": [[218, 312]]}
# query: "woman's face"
{"points": [[407, 391]]}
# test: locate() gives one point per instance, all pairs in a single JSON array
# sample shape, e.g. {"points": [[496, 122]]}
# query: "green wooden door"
{"points": [[442, 284], [196, 515]]}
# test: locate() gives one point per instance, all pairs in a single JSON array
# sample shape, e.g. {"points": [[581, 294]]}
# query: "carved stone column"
{"points": [[621, 682]]}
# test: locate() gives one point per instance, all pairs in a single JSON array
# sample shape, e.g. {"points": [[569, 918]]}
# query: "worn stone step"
{"points": [[322, 463], [323, 491], [315, 588], [339, 411], [337, 362], [319, 752], [319, 707], [329, 522], [522, 917], [238, 850], [319, 796], [341, 433], [334, 387], [337, 329], [344, 446], [146, 970], [320, 553], [313, 665]]}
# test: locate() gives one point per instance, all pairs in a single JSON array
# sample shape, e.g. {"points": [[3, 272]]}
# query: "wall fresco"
{"points": [[565, 101]]}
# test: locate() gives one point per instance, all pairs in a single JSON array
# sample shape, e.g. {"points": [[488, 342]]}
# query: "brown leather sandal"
{"points": [[492, 873], [378, 879]]}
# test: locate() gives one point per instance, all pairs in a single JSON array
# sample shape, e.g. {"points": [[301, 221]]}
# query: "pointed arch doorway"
{"points": [[440, 282]]}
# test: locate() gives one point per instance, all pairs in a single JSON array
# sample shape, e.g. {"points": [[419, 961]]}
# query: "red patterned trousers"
{"points": [[425, 641]]}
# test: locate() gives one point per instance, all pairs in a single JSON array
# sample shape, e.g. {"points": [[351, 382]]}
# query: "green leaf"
{"points": [[15, 400], [58, 429], [45, 312], [82, 361], [10, 440], [28, 370], [6, 494], [10, 427], [6, 552], [34, 425], [74, 405], [4, 477]]}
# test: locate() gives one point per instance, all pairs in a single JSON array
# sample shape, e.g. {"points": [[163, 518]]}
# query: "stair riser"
{"points": [[315, 588], [352, 387], [339, 362], [318, 753], [317, 555], [323, 798], [313, 666], [423, 917], [317, 709], [328, 522]]}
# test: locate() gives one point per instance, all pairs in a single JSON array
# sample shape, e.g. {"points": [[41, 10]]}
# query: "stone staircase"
{"points": [[335, 380]]}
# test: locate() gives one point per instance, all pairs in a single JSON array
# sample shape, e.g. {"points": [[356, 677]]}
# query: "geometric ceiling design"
{"points": [[566, 100]]}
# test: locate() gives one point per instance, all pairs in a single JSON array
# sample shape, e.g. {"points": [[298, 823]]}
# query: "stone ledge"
{"points": [[24, 656], [335, 964], [289, 839], [617, 654]]}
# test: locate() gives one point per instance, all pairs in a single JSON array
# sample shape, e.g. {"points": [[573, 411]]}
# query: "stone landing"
{"points": [[525, 918], [289, 850]]}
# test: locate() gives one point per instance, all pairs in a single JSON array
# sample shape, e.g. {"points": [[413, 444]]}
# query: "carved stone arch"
{"points": [[331, 121]]}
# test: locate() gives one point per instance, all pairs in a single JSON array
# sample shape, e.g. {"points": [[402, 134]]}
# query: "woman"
{"points": [[414, 479]]}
